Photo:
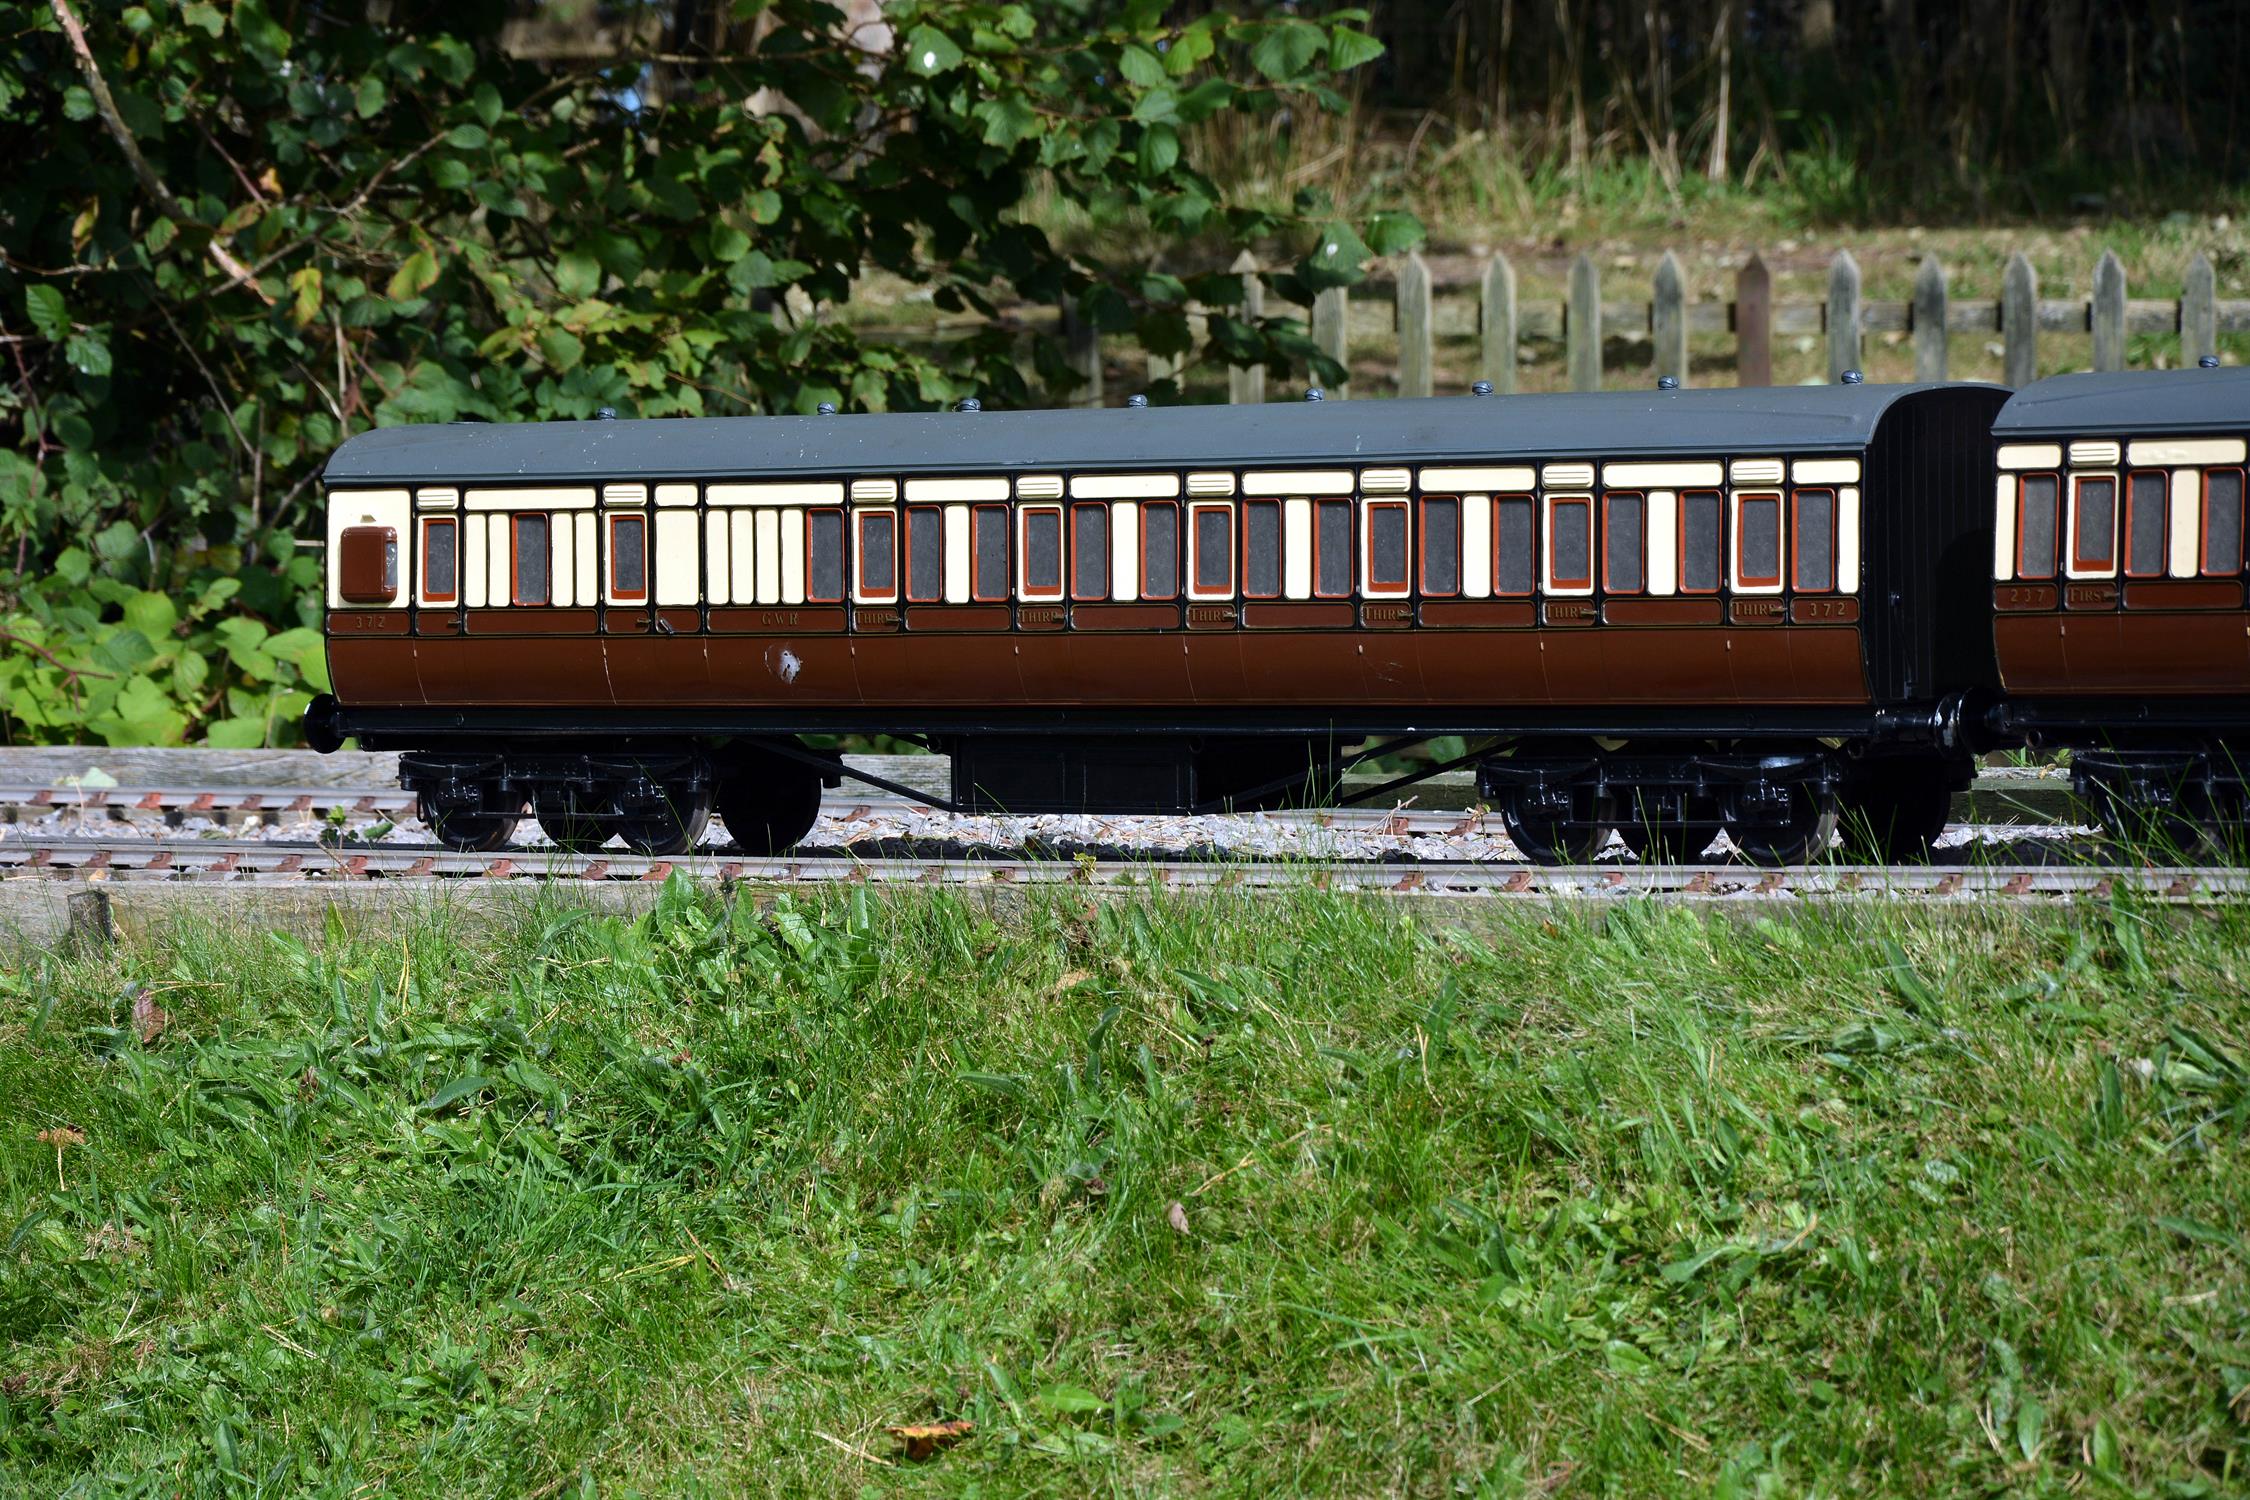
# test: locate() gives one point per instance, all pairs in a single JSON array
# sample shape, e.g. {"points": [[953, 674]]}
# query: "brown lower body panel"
{"points": [[2133, 652], [1621, 664]]}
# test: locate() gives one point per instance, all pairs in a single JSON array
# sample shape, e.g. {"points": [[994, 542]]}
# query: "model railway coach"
{"points": [[2117, 591], [1664, 613]]}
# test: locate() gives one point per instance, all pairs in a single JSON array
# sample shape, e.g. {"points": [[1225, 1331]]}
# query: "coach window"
{"points": [[1441, 545], [1513, 546], [2093, 526], [1570, 544], [875, 580], [925, 554], [1210, 551], [1332, 549], [1385, 567], [441, 571], [1160, 550], [2222, 523], [628, 559], [989, 554], [1042, 552], [2038, 528], [528, 560], [1757, 543], [1699, 541], [1089, 550], [2146, 500], [824, 556], [1812, 538], [1624, 542], [1261, 549]]}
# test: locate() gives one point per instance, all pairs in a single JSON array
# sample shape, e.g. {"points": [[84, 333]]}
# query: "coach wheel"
{"points": [[676, 829], [769, 805], [1895, 812], [468, 830], [2158, 832], [1801, 835], [1552, 841]]}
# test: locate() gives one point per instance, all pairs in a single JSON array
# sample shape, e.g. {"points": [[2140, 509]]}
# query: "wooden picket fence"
{"points": [[1500, 321]]}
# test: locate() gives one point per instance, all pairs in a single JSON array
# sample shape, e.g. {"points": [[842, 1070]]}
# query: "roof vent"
{"points": [[1136, 399], [605, 414], [1481, 388], [969, 403], [1312, 393], [1853, 377], [1672, 382], [826, 408], [2209, 362]]}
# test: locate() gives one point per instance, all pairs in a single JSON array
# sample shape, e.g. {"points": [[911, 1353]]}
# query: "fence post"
{"points": [[1583, 324], [1753, 323], [1497, 319], [2109, 312], [1082, 351], [1331, 319], [1668, 319], [1843, 315], [1929, 320], [2019, 321], [2199, 311], [1246, 384], [1417, 352]]}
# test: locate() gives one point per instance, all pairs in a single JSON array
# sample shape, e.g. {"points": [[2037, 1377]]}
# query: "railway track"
{"points": [[202, 861]]}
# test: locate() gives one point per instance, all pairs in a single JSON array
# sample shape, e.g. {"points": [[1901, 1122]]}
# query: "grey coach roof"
{"points": [[2129, 402], [1782, 419]]}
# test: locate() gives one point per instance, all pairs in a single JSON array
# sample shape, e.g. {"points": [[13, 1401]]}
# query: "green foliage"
{"points": [[435, 229], [1165, 1195]]}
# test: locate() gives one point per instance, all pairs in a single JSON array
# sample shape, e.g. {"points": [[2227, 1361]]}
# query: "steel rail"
{"points": [[27, 804], [206, 860]]}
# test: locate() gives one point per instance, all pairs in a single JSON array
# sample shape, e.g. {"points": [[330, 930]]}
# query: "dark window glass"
{"points": [[1441, 545], [1816, 541], [2036, 531], [2094, 527], [1624, 543], [824, 554], [1699, 542], [1214, 554], [1042, 551], [531, 560], [1570, 527], [1261, 548], [1160, 551], [2146, 501], [925, 554], [1386, 545], [878, 553], [1511, 544], [2222, 522], [1758, 560], [439, 572], [1089, 552], [1332, 548], [991, 552], [628, 555]]}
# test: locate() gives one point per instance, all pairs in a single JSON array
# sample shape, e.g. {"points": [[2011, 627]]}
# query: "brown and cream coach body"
{"points": [[2117, 586], [1667, 611]]}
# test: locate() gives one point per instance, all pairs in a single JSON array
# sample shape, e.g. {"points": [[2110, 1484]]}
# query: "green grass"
{"points": [[1632, 1200]]}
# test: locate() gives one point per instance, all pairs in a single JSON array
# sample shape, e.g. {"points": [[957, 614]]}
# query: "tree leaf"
{"points": [[1285, 49], [930, 51], [1348, 49], [44, 306]]}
